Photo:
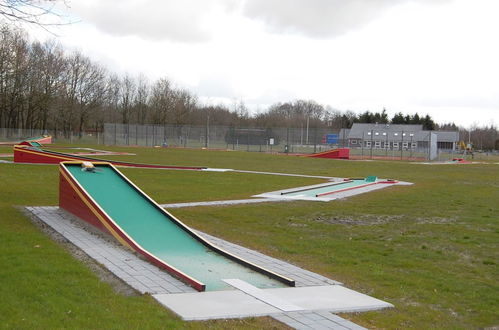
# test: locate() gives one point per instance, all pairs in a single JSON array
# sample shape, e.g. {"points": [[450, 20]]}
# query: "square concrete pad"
{"points": [[215, 305], [235, 304], [263, 295], [333, 298]]}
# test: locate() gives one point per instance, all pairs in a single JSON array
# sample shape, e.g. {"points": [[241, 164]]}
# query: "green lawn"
{"points": [[430, 249]]}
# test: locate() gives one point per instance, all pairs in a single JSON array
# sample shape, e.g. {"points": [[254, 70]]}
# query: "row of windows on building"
{"points": [[384, 144], [394, 134]]}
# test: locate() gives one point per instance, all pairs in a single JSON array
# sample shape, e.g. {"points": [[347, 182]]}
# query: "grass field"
{"points": [[430, 249]]}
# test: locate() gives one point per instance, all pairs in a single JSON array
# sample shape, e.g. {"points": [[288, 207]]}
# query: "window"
{"points": [[395, 145], [405, 145], [387, 145], [377, 144], [368, 144]]}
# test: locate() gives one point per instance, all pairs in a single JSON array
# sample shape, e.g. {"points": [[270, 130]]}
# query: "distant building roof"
{"points": [[388, 132], [360, 130], [446, 136], [344, 133]]}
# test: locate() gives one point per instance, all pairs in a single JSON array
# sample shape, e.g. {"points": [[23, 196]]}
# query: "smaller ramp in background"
{"points": [[341, 153], [36, 155]]}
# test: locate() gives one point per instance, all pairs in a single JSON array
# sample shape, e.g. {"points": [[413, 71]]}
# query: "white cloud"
{"points": [[320, 18], [186, 20]]}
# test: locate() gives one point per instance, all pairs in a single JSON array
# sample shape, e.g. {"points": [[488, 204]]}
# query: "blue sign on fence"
{"points": [[332, 138]]}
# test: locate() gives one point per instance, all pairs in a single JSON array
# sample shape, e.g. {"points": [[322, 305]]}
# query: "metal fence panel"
{"points": [[280, 139]]}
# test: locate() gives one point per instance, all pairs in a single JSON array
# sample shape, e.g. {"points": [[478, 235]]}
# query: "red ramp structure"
{"points": [[34, 155], [102, 196], [341, 153]]}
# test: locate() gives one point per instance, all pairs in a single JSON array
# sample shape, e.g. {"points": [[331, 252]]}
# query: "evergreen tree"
{"points": [[428, 123], [366, 117], [398, 118], [415, 120]]}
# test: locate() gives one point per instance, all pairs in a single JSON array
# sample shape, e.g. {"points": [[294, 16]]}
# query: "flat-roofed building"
{"points": [[396, 137]]}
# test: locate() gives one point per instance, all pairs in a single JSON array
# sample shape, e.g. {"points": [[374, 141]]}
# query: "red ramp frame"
{"points": [[75, 199], [27, 154], [342, 153]]}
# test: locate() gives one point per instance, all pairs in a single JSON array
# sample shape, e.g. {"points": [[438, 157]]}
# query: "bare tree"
{"points": [[128, 90], [162, 101], [141, 99], [14, 66], [32, 12], [45, 70], [185, 104], [83, 92]]}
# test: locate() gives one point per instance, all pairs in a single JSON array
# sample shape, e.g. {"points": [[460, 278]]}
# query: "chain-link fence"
{"points": [[16, 135], [290, 140], [405, 146], [399, 145]]}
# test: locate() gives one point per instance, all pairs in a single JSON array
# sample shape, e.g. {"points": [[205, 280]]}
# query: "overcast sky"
{"points": [[428, 56]]}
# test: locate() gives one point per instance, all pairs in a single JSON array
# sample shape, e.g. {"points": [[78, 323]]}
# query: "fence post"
{"points": [[371, 151], [207, 132], [402, 147], [362, 146], [315, 138], [429, 147]]}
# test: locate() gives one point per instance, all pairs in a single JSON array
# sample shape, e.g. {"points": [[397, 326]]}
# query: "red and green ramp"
{"points": [[35, 155], [106, 199]]}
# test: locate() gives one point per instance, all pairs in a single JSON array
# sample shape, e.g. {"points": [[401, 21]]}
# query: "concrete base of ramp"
{"points": [[312, 301], [238, 304]]}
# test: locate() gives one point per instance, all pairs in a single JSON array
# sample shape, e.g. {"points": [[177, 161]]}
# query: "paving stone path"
{"points": [[147, 278]]}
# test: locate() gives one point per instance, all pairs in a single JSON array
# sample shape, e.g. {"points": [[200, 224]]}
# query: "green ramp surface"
{"points": [[157, 233], [327, 189]]}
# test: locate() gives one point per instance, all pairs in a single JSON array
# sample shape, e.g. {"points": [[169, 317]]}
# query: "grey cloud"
{"points": [[167, 19], [216, 86], [186, 21], [319, 18]]}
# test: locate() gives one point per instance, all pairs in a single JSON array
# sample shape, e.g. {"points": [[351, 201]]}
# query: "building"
{"points": [[396, 137]]}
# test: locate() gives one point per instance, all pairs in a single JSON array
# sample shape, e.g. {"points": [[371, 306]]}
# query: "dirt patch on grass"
{"points": [[361, 220], [378, 219], [102, 273], [435, 220]]}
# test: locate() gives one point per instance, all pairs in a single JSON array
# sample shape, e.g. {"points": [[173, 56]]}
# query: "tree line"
{"points": [[45, 87]]}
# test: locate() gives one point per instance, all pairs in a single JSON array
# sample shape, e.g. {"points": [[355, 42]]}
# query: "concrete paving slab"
{"points": [[222, 203], [190, 305], [251, 303], [215, 305], [263, 295], [333, 298]]}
